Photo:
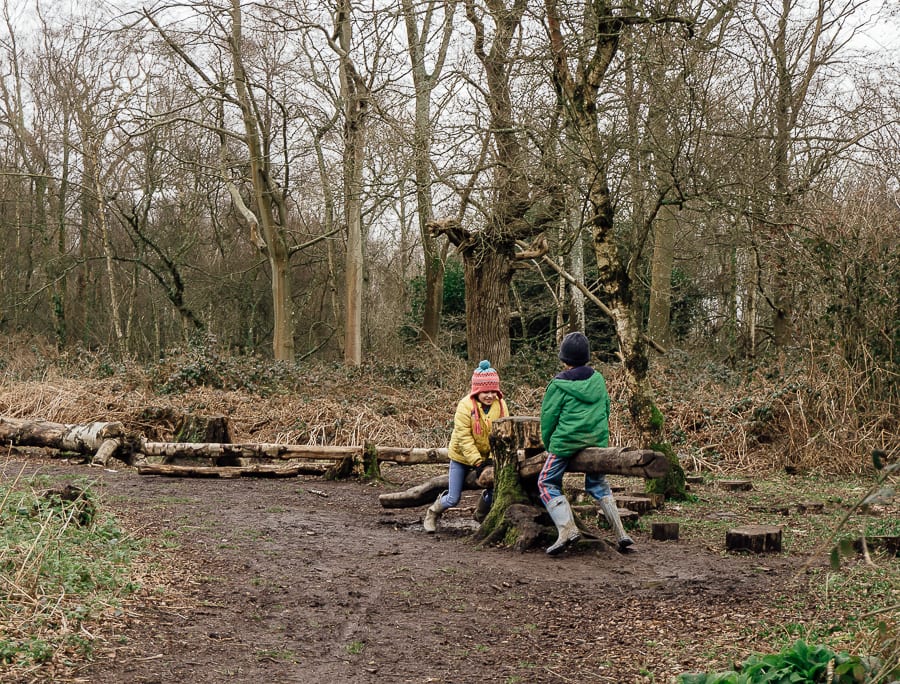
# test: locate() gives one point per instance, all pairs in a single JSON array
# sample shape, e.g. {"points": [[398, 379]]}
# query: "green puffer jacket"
{"points": [[575, 412]]}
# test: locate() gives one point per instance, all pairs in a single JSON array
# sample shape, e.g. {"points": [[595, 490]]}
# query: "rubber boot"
{"points": [[433, 514], [611, 513], [561, 513], [483, 507]]}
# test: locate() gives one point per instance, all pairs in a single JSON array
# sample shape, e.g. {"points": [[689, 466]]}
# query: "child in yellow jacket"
{"points": [[470, 447]]}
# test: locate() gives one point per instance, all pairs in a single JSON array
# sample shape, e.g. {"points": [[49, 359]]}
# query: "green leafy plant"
{"points": [[64, 563], [799, 664]]}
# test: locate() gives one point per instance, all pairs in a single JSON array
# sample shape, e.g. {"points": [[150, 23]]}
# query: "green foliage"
{"points": [[28, 651], [453, 304], [799, 664], [203, 364], [656, 418], [64, 562]]}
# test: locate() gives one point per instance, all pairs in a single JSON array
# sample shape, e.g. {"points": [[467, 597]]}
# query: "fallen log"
{"points": [[225, 472], [624, 460], [313, 452], [595, 460], [424, 493], [411, 456], [81, 439], [249, 450]]}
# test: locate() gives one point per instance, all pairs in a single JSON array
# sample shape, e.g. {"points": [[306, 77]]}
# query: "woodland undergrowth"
{"points": [[802, 413]]}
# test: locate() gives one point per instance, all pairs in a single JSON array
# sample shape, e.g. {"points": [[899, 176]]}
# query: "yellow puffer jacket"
{"points": [[469, 443]]}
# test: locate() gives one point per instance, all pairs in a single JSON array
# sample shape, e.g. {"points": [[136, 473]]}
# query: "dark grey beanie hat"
{"points": [[575, 350]]}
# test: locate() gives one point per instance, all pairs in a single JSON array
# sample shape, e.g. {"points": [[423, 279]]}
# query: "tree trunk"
{"points": [[424, 86], [354, 95], [504, 521], [487, 279], [658, 324], [268, 201]]}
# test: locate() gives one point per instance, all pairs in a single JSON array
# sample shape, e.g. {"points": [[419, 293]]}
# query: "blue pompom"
{"points": [[484, 366]]}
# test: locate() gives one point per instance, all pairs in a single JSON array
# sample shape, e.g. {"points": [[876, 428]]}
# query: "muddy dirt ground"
{"points": [[309, 581]]}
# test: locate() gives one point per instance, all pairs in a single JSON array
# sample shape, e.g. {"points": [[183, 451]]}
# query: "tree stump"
{"points": [[664, 531], [639, 504], [515, 514], [755, 538], [656, 499], [736, 485], [810, 507], [592, 512]]}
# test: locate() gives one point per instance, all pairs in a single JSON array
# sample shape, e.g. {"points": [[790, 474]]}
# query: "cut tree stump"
{"points": [[589, 510], [657, 500], [810, 507], [754, 538], [736, 485], [639, 504], [626, 515], [664, 531]]}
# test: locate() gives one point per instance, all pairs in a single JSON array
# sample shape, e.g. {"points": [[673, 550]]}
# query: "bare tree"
{"points": [[579, 75], [268, 223], [517, 208], [794, 48], [418, 39]]}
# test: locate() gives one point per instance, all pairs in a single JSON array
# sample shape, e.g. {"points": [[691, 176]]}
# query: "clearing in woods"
{"points": [[311, 581]]}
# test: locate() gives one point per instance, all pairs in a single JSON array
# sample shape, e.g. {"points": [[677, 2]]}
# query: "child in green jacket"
{"points": [[574, 416]]}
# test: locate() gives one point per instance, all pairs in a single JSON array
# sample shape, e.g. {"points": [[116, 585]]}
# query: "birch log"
{"points": [[82, 439]]}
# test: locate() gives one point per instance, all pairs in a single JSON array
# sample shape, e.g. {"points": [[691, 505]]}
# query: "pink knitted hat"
{"points": [[485, 379]]}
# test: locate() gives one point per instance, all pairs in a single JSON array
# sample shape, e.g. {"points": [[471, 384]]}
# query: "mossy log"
{"points": [[608, 460], [515, 518]]}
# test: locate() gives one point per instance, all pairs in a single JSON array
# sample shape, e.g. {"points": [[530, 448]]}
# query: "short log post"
{"points": [[664, 531], [755, 538], [639, 504], [657, 500], [736, 485]]}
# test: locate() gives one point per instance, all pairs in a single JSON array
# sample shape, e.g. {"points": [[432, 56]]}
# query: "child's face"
{"points": [[487, 398]]}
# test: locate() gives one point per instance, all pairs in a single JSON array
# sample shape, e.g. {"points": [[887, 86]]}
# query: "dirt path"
{"points": [[307, 581]]}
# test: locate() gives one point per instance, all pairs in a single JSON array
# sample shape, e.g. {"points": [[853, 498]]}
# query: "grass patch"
{"points": [[64, 565]]}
